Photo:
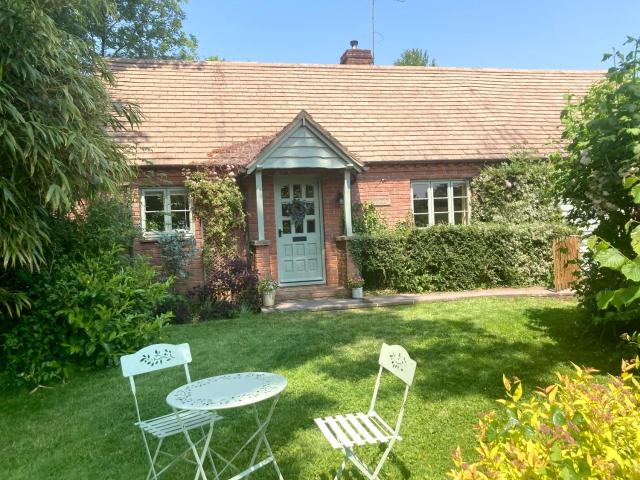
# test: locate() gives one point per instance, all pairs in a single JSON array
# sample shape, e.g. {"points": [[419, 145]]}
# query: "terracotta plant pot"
{"points": [[356, 292], [269, 298]]}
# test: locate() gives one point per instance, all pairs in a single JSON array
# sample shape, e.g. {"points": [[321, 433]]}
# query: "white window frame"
{"points": [[450, 210], [166, 192]]}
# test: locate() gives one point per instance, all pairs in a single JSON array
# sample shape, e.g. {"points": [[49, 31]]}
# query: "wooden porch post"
{"points": [[346, 196], [259, 205]]}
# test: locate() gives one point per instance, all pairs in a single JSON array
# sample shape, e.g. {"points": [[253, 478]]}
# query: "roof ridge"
{"points": [[350, 67]]}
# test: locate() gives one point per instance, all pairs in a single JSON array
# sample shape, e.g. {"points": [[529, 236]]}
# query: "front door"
{"points": [[299, 230]]}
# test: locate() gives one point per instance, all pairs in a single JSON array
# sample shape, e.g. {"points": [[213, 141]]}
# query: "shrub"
{"points": [[520, 190], [230, 287], [458, 257], [85, 311], [603, 148], [576, 428], [178, 248]]}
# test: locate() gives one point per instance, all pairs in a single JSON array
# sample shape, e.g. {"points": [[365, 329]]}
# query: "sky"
{"points": [[540, 34]]}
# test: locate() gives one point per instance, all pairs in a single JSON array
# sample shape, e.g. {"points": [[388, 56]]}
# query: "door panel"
{"points": [[298, 228]]}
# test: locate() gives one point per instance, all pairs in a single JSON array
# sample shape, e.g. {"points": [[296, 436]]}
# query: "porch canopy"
{"points": [[303, 143]]}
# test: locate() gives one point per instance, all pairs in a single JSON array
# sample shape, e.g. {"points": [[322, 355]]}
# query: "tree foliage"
{"points": [[622, 302], [603, 131], [415, 57], [142, 29], [55, 114], [518, 191]]}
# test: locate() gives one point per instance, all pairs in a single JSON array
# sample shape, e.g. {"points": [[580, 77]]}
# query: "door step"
{"points": [[310, 292]]}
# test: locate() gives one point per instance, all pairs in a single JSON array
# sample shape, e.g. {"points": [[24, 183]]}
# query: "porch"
{"points": [[298, 193]]}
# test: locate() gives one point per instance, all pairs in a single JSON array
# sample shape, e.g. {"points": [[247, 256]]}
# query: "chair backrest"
{"points": [[396, 360], [153, 358]]}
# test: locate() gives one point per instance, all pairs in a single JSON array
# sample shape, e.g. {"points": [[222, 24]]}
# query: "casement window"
{"points": [[164, 210], [440, 201]]}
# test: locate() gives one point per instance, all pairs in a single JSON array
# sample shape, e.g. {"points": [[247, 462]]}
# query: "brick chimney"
{"points": [[356, 56]]}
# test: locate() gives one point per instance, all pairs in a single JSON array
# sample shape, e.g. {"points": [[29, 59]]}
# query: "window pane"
{"points": [[286, 226], [179, 201], [421, 220], [297, 191], [310, 208], [421, 206], [459, 189], [441, 205], [308, 192], [441, 218], [284, 191], [154, 201], [155, 222], [460, 217], [311, 226], [286, 209], [299, 227], [459, 204], [420, 190], [180, 220], [440, 190]]}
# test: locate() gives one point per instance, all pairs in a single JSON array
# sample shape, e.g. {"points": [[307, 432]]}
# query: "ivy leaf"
{"points": [[611, 258]]}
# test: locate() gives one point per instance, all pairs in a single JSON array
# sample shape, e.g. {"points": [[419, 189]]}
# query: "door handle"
{"points": [[279, 232]]}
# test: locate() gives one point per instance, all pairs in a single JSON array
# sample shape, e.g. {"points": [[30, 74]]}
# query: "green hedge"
{"points": [[458, 257]]}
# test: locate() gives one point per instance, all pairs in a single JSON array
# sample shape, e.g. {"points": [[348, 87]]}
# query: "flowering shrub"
{"points": [[217, 200], [573, 429], [267, 285]]}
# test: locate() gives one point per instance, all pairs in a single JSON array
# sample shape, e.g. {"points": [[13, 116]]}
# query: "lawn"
{"points": [[84, 429]]}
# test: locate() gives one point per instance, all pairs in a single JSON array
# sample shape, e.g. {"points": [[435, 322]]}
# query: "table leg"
{"points": [[262, 428], [199, 458]]}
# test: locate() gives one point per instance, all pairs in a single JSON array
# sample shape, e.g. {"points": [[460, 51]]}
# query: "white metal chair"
{"points": [[350, 430], [158, 357]]}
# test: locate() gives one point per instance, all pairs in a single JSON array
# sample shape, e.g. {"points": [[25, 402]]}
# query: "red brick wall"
{"points": [[389, 186], [150, 248]]}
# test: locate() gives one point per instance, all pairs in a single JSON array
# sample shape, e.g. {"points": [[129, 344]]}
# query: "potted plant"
{"points": [[355, 283], [267, 288]]}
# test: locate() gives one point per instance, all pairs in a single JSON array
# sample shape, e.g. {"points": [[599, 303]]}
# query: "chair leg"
{"points": [[152, 468], [341, 468], [376, 472]]}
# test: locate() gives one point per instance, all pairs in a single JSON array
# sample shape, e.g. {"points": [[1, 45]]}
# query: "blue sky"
{"points": [[568, 34]]}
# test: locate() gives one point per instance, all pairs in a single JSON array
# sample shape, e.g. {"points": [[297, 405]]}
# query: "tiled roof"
{"points": [[378, 113]]}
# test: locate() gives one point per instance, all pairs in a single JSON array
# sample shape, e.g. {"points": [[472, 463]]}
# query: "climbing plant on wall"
{"points": [[217, 201]]}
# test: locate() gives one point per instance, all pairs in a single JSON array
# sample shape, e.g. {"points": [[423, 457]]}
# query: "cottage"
{"points": [[312, 140]]}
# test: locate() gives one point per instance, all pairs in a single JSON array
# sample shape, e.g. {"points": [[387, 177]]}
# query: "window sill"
{"points": [[155, 238]]}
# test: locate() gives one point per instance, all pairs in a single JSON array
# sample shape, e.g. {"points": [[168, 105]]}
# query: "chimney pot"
{"points": [[354, 43]]}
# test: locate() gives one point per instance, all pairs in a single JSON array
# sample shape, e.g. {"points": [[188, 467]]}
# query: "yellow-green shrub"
{"points": [[573, 429]]}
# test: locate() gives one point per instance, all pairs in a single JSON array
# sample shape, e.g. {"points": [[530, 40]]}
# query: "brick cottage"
{"points": [[312, 140]]}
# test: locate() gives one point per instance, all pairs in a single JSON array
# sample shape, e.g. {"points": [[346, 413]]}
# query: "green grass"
{"points": [[84, 429]]}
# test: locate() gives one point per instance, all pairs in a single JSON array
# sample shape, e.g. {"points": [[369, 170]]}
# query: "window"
{"points": [[440, 201], [164, 210]]}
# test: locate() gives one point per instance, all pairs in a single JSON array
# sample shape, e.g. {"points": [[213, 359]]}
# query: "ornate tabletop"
{"points": [[227, 391]]}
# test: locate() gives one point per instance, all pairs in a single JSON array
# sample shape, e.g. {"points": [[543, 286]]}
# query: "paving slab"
{"points": [[372, 301]]}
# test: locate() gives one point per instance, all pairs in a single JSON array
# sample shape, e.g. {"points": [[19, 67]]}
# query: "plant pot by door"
{"points": [[356, 292], [269, 298]]}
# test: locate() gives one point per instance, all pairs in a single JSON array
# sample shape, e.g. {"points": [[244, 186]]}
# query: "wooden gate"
{"points": [[566, 252]]}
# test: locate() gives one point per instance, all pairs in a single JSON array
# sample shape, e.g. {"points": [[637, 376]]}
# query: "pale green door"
{"points": [[299, 230]]}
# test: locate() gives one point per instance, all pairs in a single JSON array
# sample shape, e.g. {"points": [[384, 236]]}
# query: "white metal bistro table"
{"points": [[224, 392]]}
